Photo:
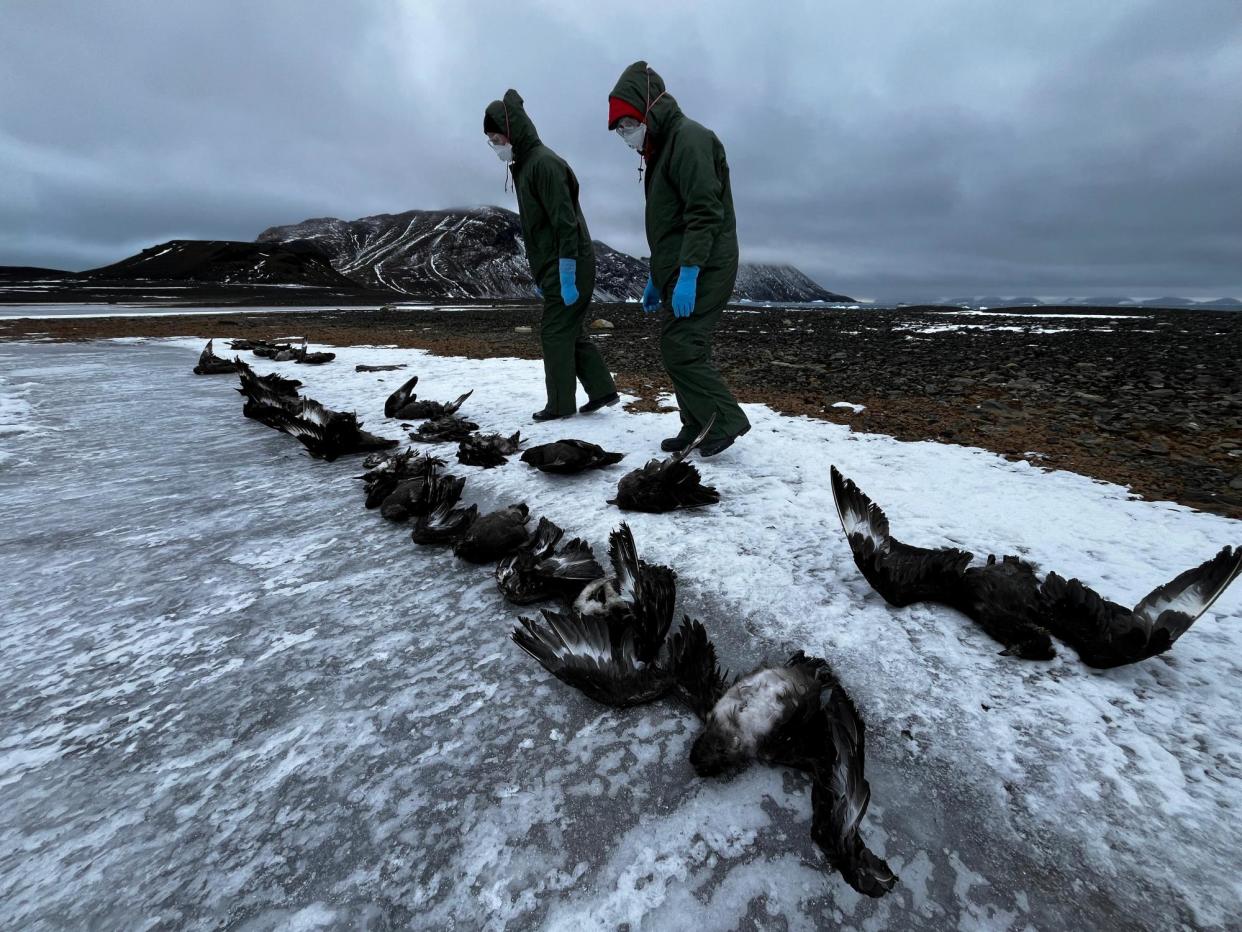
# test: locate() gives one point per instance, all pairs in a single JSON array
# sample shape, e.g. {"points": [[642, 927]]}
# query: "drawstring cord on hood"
{"points": [[642, 153], [508, 167]]}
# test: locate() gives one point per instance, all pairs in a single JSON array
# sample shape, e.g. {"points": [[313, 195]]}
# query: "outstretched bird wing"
{"points": [[400, 397], [692, 662], [1106, 634], [544, 540], [593, 656], [574, 563], [649, 589], [444, 522], [452, 406], [1176, 605], [535, 573], [840, 795], [901, 573]]}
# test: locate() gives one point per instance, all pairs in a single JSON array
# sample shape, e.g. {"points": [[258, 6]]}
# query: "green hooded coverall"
{"points": [[690, 221], [554, 229]]}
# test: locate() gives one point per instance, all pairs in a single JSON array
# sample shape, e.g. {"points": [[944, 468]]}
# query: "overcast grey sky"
{"points": [[891, 149]]}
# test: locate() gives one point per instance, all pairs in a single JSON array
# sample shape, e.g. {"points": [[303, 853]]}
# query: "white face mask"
{"points": [[634, 136], [504, 153]]}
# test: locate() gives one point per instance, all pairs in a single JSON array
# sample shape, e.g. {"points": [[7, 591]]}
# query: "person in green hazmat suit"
{"points": [[562, 259], [692, 234]]}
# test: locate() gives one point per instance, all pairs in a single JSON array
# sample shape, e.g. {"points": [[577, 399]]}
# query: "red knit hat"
{"points": [[618, 108]]}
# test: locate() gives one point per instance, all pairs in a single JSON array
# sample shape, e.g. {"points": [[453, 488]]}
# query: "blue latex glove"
{"points": [[569, 287], [683, 291], [651, 297]]}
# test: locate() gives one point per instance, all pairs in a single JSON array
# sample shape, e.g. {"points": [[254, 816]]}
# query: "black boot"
{"points": [[712, 447], [719, 445], [603, 401], [546, 415]]}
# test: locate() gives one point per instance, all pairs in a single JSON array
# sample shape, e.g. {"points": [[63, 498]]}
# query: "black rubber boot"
{"points": [[719, 445], [712, 447], [603, 401]]}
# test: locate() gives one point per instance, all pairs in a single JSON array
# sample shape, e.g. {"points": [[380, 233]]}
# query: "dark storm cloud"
{"points": [[888, 148]]}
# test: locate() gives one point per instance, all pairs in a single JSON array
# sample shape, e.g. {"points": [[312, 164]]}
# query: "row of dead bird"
{"points": [[211, 364], [659, 486], [611, 639], [612, 636]]}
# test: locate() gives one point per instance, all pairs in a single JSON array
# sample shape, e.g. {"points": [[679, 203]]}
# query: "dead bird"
{"points": [[1002, 597], [513, 573], [488, 450], [666, 485], [537, 574], [405, 406], [775, 714], [538, 571], [424, 410], [305, 358], [328, 434], [211, 364], [413, 498], [494, 535], [265, 350], [638, 595], [363, 367], [387, 470], [272, 382], [270, 399], [612, 650], [443, 522], [1106, 634], [444, 430], [566, 457]]}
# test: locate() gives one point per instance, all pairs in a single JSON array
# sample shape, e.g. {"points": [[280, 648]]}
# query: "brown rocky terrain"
{"points": [[1147, 398]]}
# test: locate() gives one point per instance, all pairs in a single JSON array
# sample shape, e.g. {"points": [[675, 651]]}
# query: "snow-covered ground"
{"points": [[233, 697]]}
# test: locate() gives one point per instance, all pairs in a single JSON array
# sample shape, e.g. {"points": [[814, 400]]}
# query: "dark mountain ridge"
{"points": [[225, 262]]}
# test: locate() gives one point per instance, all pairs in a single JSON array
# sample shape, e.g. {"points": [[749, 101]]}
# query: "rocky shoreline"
{"points": [[1151, 399]]}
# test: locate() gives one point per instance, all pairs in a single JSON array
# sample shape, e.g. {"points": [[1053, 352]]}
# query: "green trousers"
{"points": [[686, 347], [570, 357]]}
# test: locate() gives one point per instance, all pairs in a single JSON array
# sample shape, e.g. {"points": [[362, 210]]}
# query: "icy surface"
{"points": [[234, 698], [51, 311]]}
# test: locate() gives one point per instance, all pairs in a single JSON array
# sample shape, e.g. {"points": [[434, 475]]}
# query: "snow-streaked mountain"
{"points": [[764, 282], [470, 253], [429, 253], [479, 253], [225, 262]]}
